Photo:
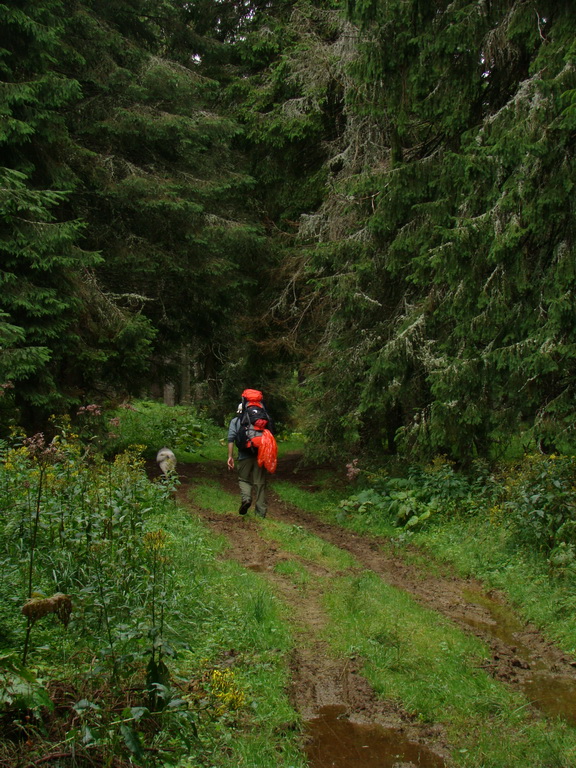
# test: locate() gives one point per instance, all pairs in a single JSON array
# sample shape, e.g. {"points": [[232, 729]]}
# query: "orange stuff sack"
{"points": [[268, 452], [252, 396]]}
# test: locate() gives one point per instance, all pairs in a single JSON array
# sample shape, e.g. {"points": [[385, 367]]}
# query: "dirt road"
{"points": [[325, 688]]}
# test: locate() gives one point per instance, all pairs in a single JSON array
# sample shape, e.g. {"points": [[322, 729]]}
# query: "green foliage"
{"points": [[424, 494], [540, 504], [535, 497], [137, 673], [155, 425], [20, 690], [83, 529], [123, 194], [70, 338], [444, 231], [374, 196], [164, 192], [42, 269]]}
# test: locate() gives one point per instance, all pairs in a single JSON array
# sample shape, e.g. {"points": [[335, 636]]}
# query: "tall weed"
{"points": [[86, 577]]}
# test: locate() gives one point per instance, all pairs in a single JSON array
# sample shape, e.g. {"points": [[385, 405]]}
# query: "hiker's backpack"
{"points": [[254, 419]]}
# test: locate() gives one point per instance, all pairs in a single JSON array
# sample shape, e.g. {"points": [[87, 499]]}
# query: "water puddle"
{"points": [[552, 694], [336, 742], [503, 624]]}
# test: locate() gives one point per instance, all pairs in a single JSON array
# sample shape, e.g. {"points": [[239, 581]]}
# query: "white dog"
{"points": [[166, 461]]}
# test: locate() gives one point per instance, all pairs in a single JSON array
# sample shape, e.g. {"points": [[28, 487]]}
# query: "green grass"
{"points": [[295, 571], [480, 548], [220, 618], [475, 545], [412, 655], [209, 494], [290, 443], [425, 663], [215, 448], [230, 620], [419, 659], [297, 541], [319, 502]]}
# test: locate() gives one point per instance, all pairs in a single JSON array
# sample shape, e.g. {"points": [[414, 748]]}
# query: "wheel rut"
{"points": [[328, 691]]}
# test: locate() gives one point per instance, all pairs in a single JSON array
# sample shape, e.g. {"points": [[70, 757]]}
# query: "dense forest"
{"points": [[364, 208]]}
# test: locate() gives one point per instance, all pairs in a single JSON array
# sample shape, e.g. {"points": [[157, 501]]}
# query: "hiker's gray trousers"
{"points": [[251, 476]]}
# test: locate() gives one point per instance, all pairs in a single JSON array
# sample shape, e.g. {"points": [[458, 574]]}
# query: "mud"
{"points": [[337, 742], [334, 700]]}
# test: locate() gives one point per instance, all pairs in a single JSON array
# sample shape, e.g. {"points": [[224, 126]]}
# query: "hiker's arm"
{"points": [[232, 432], [230, 456]]}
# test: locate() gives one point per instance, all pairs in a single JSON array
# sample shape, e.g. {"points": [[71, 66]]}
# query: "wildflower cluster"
{"points": [[155, 541], [226, 691], [87, 574], [74, 527], [40, 450], [90, 410], [352, 470], [216, 692]]}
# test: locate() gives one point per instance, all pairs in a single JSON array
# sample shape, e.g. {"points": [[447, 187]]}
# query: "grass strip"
{"points": [[432, 668], [237, 644], [292, 538], [421, 660], [209, 494], [298, 541], [297, 573], [477, 547], [318, 501]]}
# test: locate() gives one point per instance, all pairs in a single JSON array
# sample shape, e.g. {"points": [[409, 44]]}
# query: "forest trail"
{"points": [[330, 691]]}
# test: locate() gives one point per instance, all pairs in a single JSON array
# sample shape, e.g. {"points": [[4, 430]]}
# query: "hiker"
{"points": [[251, 430]]}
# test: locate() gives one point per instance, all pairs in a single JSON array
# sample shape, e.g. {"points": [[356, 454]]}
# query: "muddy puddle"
{"points": [[334, 741], [502, 624], [551, 693]]}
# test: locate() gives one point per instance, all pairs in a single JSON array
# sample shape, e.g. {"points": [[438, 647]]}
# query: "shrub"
{"points": [[155, 425], [540, 501], [424, 493]]}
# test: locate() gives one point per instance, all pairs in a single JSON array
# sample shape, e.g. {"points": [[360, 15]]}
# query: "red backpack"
{"points": [[255, 433], [254, 420]]}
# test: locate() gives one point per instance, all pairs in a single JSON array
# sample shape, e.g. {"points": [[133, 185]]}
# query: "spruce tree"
{"points": [[439, 263], [41, 261]]}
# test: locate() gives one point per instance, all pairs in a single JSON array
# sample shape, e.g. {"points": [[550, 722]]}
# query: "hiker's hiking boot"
{"points": [[244, 507]]}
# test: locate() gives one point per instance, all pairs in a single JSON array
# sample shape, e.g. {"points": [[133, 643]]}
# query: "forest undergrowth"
{"points": [[115, 619], [131, 634]]}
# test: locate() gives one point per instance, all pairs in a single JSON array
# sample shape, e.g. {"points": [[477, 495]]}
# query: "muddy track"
{"points": [[518, 652]]}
